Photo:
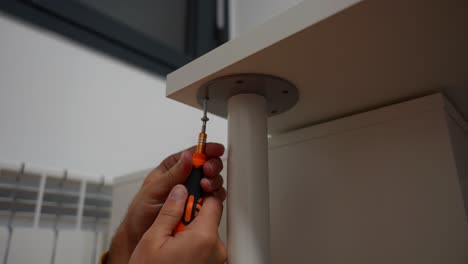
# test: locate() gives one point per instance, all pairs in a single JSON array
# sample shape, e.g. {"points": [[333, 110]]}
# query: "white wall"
{"points": [[63, 105], [247, 14]]}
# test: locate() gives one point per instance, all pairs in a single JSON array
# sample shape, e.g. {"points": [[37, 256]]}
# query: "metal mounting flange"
{"points": [[281, 95]]}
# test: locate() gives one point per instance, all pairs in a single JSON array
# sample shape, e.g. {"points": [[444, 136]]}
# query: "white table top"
{"points": [[346, 56]]}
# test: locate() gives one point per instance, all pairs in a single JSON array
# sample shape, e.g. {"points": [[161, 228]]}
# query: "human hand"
{"points": [[148, 202], [197, 244]]}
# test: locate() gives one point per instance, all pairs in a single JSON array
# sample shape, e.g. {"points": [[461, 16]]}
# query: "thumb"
{"points": [[170, 214]]}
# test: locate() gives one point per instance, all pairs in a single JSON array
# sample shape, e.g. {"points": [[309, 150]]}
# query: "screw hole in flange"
{"points": [[285, 91], [239, 81]]}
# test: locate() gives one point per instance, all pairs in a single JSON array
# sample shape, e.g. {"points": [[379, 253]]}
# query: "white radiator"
{"points": [[52, 216]]}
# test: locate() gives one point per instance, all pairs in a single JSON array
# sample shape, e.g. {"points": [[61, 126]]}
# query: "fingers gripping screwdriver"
{"points": [[195, 192]]}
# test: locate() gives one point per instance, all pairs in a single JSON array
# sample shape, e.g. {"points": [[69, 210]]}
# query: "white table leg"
{"points": [[248, 190]]}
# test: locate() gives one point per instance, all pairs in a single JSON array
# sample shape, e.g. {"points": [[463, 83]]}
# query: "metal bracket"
{"points": [[281, 95]]}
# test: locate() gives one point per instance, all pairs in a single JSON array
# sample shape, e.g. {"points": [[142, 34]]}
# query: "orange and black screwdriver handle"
{"points": [[195, 193]]}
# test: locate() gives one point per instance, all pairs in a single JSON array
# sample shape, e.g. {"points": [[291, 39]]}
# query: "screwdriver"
{"points": [[195, 200]]}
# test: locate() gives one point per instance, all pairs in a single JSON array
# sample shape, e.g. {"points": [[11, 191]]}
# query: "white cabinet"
{"points": [[378, 187]]}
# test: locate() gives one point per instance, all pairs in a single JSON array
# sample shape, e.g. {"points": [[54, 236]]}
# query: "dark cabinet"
{"points": [[157, 35]]}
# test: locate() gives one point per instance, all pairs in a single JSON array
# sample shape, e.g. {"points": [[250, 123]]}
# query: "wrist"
{"points": [[122, 245]]}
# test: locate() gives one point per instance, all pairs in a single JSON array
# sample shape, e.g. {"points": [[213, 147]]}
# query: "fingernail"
{"points": [[207, 182], [177, 193]]}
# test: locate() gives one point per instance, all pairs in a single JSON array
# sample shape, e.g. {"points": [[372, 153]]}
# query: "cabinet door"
{"points": [[382, 192]]}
